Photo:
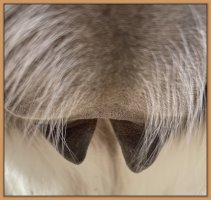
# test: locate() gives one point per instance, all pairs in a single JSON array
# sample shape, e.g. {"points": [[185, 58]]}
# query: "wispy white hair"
{"points": [[144, 64]]}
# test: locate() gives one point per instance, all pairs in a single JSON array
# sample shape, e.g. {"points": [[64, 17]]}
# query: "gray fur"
{"points": [[140, 63]]}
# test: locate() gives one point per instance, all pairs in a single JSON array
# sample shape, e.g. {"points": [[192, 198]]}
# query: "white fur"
{"points": [[180, 169], [64, 63]]}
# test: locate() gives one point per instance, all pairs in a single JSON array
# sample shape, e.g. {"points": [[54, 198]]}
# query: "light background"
{"points": [[2, 2]]}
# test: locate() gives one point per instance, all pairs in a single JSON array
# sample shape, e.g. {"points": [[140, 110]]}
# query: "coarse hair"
{"points": [[129, 66]]}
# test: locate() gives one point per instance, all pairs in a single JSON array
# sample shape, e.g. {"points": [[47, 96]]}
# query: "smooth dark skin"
{"points": [[131, 138], [78, 135]]}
